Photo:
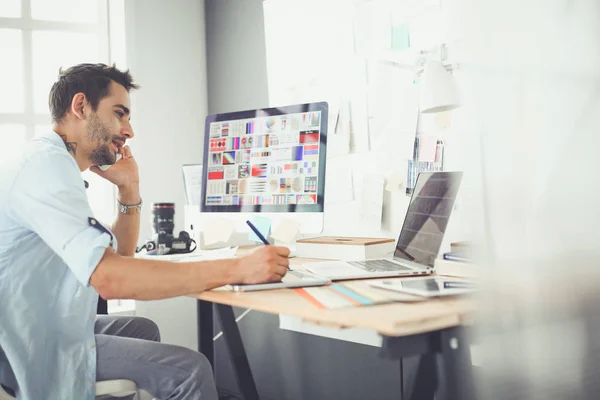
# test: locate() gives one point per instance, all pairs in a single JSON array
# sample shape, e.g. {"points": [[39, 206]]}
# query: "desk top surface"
{"points": [[393, 319]]}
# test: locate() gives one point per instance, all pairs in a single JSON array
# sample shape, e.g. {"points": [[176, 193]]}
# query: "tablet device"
{"points": [[293, 279], [427, 287]]}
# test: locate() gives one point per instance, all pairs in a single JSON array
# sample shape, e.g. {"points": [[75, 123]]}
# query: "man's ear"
{"points": [[78, 105]]}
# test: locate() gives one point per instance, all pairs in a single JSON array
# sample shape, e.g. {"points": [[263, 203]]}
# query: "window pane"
{"points": [[81, 11], [50, 53], [14, 138], [116, 19], [40, 130], [11, 72], [10, 8]]}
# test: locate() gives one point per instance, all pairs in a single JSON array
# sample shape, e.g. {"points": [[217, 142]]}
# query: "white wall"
{"points": [[347, 62], [167, 57]]}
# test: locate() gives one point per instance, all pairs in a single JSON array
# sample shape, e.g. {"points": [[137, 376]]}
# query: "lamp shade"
{"points": [[438, 90]]}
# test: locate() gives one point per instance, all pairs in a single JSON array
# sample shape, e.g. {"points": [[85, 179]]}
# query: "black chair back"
{"points": [[102, 308]]}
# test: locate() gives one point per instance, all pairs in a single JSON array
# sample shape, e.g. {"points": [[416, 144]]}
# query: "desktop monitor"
{"points": [[269, 161]]}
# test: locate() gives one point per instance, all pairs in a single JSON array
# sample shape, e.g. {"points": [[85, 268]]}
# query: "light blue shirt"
{"points": [[48, 251]]}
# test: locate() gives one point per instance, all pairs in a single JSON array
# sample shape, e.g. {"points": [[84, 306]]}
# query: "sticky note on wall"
{"points": [[286, 231], [443, 120], [264, 227], [217, 230], [427, 148], [394, 181], [400, 37]]}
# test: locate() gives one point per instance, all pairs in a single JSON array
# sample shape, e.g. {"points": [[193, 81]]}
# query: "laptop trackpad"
{"points": [[335, 268]]}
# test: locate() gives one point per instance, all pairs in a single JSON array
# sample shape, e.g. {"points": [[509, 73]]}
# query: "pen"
{"points": [[257, 232], [260, 236]]}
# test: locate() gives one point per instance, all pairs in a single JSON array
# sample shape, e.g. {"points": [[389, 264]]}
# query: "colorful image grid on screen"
{"points": [[264, 161]]}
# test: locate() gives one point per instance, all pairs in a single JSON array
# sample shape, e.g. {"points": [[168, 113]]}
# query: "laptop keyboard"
{"points": [[379, 266]]}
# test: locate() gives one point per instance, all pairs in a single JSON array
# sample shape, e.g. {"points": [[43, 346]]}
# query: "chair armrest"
{"points": [[116, 388]]}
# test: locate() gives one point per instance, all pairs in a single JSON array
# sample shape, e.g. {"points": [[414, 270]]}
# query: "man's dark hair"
{"points": [[93, 80]]}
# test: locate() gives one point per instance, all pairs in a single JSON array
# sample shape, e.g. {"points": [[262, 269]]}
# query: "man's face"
{"points": [[108, 127]]}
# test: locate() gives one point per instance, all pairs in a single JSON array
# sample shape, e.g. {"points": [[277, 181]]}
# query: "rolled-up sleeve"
{"points": [[48, 198]]}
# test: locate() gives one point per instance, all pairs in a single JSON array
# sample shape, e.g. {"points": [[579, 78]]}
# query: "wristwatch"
{"points": [[130, 209]]}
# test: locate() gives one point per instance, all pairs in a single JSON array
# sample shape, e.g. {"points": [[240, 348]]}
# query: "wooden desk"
{"points": [[424, 328]]}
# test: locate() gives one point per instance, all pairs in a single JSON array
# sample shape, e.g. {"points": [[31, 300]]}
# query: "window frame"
{"points": [[102, 28], [27, 25]]}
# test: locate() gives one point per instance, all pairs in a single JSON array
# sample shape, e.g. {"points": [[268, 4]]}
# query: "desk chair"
{"points": [[114, 388]]}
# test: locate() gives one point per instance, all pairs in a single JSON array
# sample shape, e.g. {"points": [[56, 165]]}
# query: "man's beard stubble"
{"points": [[98, 133]]}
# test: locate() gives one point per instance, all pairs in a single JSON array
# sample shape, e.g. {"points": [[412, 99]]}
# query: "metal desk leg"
{"points": [[457, 367], [239, 359], [204, 310], [426, 383], [423, 383]]}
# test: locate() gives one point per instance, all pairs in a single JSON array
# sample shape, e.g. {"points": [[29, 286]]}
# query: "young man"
{"points": [[55, 259]]}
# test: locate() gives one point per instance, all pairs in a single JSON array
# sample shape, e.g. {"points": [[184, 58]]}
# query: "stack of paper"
{"points": [[351, 294]]}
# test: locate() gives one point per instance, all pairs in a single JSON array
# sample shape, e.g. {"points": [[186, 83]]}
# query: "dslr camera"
{"points": [[163, 241]]}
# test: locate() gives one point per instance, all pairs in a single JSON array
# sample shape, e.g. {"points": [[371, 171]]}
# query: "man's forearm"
{"points": [[142, 279], [127, 227]]}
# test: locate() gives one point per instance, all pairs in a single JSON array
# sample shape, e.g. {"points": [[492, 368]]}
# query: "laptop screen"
{"points": [[427, 217]]}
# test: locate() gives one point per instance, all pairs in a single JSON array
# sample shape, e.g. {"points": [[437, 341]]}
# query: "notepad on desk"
{"points": [[295, 278], [460, 269]]}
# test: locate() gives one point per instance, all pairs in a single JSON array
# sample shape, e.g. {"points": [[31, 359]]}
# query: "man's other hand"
{"points": [[265, 264], [124, 173]]}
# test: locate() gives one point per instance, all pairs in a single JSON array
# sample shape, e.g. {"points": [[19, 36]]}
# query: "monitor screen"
{"points": [[427, 216], [267, 160]]}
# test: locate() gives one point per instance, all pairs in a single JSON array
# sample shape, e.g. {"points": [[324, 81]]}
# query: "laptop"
{"points": [[420, 239]]}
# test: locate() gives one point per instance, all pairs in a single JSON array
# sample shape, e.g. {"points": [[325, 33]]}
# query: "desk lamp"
{"points": [[438, 91]]}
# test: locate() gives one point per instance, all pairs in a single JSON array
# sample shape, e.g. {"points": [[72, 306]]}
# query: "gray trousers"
{"points": [[129, 348]]}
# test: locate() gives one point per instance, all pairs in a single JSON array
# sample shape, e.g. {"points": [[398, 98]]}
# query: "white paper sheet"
{"points": [[359, 115], [338, 139], [338, 182], [393, 109], [443, 120], [372, 28], [333, 118], [371, 205], [427, 148], [321, 89], [217, 230], [394, 181], [286, 231], [192, 179], [290, 62]]}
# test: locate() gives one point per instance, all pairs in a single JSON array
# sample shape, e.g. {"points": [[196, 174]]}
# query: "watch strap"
{"points": [[130, 209]]}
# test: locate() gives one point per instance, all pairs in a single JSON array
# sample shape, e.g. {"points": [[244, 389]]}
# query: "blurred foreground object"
{"points": [[531, 79]]}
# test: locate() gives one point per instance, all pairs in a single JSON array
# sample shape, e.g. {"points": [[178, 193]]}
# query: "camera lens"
{"points": [[162, 218]]}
